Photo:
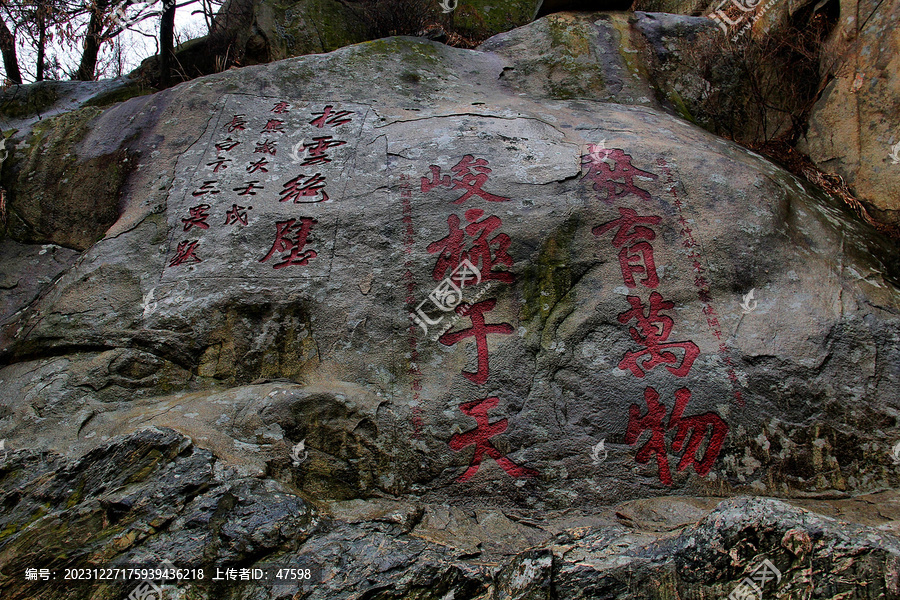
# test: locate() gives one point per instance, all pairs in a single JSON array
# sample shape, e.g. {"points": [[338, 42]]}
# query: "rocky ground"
{"points": [[154, 494]]}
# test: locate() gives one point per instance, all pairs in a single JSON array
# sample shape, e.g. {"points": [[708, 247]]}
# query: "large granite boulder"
{"points": [[853, 125], [403, 270], [247, 32], [827, 73]]}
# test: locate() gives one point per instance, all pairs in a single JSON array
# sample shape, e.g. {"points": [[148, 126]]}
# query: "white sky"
{"points": [[135, 45]]}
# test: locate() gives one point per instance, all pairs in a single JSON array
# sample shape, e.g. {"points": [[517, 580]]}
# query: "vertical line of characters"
{"points": [[632, 234], [474, 236]]}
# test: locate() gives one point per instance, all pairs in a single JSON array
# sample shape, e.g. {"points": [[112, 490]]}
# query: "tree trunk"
{"points": [[8, 47], [166, 43], [92, 42], [42, 42]]}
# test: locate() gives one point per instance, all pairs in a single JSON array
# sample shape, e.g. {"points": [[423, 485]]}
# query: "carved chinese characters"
{"points": [[474, 251], [690, 433], [479, 331], [257, 188], [480, 438], [700, 281], [650, 322]]}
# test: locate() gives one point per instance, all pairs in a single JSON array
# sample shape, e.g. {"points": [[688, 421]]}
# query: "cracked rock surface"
{"points": [[171, 392]]}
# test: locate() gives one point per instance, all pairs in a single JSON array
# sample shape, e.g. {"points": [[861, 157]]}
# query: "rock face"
{"points": [[407, 271], [263, 30], [851, 132], [153, 495]]}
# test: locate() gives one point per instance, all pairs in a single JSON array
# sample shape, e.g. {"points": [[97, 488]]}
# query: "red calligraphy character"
{"points": [[465, 179], [317, 150], [479, 330], [652, 331], [237, 214], [616, 181], [630, 259], [206, 188], [280, 107], [636, 252], [656, 445], [226, 145], [480, 438], [283, 243], [199, 215], [436, 180], [469, 181], [480, 254], [185, 254], [630, 228], [236, 124], [327, 118], [690, 432], [259, 165], [265, 147], [219, 163], [450, 249], [295, 189], [693, 430], [248, 189], [274, 125]]}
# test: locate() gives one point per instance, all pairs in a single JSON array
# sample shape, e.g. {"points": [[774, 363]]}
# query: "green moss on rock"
{"points": [[119, 95], [484, 18], [25, 100], [310, 27], [549, 277], [56, 197]]}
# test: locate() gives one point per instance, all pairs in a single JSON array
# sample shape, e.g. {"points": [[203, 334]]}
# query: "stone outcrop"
{"points": [[260, 362], [153, 496], [853, 128], [848, 126]]}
